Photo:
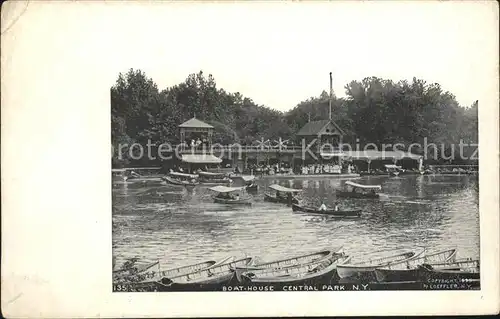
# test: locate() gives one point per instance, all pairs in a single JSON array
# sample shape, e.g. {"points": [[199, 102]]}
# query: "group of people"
{"points": [[233, 196], [199, 143], [327, 169], [323, 207], [272, 169]]}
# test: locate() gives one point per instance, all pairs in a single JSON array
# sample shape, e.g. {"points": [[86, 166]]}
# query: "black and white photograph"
{"points": [[352, 168], [249, 158]]}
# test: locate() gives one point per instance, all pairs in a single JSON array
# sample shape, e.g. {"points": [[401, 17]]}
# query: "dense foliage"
{"points": [[374, 111]]}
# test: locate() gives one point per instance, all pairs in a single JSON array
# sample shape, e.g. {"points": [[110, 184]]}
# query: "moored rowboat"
{"points": [[209, 279], [174, 181], [313, 273], [135, 269], [364, 269], [407, 270], [149, 281], [330, 212], [429, 272], [288, 262]]}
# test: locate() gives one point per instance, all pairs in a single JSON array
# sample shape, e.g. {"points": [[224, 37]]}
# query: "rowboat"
{"points": [[393, 170], [241, 201], [354, 213], [277, 198], [364, 269], [317, 272], [359, 190], [210, 178], [459, 264], [249, 182], [253, 188], [288, 262], [225, 195], [182, 179], [149, 281], [135, 269], [408, 270], [208, 279], [430, 272]]}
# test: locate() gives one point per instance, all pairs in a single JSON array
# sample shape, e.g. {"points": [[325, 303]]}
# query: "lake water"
{"points": [[178, 226]]}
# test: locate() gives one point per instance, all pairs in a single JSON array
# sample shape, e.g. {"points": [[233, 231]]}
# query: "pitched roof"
{"points": [[194, 122], [313, 128]]}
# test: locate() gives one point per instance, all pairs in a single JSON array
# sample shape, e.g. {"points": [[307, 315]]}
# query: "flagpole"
{"points": [[330, 100]]}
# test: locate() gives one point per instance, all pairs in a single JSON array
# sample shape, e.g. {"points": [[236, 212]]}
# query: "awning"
{"points": [[183, 175], [224, 189], [392, 166], [201, 159], [247, 178], [374, 155], [363, 186], [332, 154], [284, 189], [211, 174]]}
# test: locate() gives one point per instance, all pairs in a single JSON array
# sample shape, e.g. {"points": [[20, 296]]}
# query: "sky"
{"points": [[281, 53]]}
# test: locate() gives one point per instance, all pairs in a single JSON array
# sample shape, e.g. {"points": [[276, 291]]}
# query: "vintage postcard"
{"points": [[315, 158]]}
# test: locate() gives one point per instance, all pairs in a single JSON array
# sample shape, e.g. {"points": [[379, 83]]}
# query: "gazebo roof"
{"points": [[195, 123]]}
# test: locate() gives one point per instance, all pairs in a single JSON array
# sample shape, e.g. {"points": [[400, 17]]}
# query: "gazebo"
{"points": [[195, 130], [197, 135]]}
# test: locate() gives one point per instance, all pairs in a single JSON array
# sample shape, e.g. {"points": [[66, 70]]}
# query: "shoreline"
{"points": [[300, 176]]}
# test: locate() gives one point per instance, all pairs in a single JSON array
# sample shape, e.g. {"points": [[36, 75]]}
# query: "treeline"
{"points": [[374, 111]]}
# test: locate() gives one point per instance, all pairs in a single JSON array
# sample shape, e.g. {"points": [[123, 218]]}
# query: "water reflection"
{"points": [[179, 226]]}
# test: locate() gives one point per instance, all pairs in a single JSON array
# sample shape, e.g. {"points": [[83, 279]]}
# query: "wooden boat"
{"points": [[458, 264], [408, 270], [359, 191], [288, 262], [354, 213], [182, 179], [208, 279], [210, 178], [393, 170], [364, 269], [318, 272], [135, 269], [251, 187], [149, 281], [174, 272], [243, 201], [430, 273], [224, 195], [277, 198]]}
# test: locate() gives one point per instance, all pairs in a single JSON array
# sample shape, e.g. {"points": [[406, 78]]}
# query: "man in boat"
{"points": [[336, 208], [322, 207]]}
